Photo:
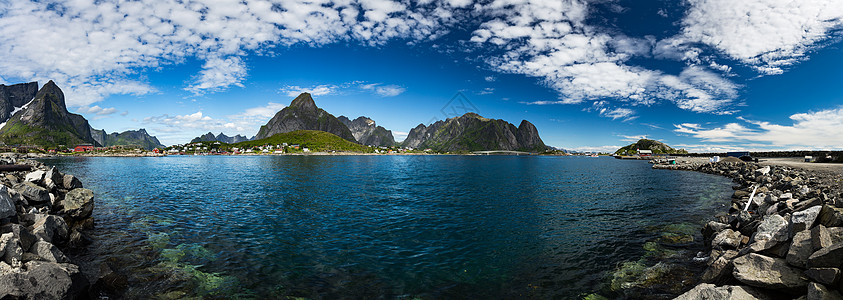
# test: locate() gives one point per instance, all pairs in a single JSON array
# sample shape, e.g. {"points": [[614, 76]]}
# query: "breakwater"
{"points": [[44, 219], [782, 235]]}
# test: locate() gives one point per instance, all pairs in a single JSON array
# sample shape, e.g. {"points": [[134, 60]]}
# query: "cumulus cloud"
{"points": [[812, 130], [77, 43], [316, 90], [387, 90], [765, 34], [96, 110]]}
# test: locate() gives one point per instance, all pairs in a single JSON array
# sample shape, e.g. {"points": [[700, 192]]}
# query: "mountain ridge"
{"points": [[303, 114], [367, 132], [472, 132]]}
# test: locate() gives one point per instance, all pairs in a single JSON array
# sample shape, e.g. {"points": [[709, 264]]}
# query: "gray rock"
{"points": [[48, 252], [711, 229], [26, 238], [54, 175], [7, 205], [44, 280], [49, 228], [726, 239], [767, 272], [10, 250], [802, 220], [830, 216], [772, 230], [79, 203], [726, 292], [33, 192], [820, 237], [818, 291], [762, 171], [828, 276], [828, 257], [719, 271], [836, 234], [800, 249], [71, 182], [35, 176]]}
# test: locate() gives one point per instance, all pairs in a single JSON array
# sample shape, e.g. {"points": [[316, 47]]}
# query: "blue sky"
{"points": [[706, 75]]}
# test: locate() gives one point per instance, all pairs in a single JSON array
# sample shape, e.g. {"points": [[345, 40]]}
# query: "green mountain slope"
{"points": [[645, 144], [313, 139]]}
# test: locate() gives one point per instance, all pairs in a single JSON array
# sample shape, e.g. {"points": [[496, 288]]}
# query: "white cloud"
{"points": [[96, 110], [486, 91], [389, 90], [490, 78], [813, 130], [316, 90], [766, 34], [400, 136], [596, 149], [78, 43], [632, 138], [218, 74]]}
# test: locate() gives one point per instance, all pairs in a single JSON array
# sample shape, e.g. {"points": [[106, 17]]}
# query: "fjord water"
{"points": [[382, 226]]}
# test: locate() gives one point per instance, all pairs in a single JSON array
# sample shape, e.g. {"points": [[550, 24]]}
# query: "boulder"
{"points": [[830, 216], [7, 205], [33, 192], [772, 230], [25, 237], [804, 219], [726, 292], [818, 291], [35, 176], [800, 249], [719, 271], [820, 237], [71, 182], [44, 280], [79, 203], [49, 228], [836, 234], [828, 257], [762, 171], [54, 175], [48, 252], [711, 229], [726, 239], [767, 272], [829, 276], [10, 250]]}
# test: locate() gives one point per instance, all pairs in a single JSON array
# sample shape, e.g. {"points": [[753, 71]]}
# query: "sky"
{"points": [[704, 75]]}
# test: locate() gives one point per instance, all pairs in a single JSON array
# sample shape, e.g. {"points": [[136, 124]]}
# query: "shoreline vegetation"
{"points": [[782, 235]]}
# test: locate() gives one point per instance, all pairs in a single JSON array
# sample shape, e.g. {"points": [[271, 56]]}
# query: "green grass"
{"points": [[313, 139]]}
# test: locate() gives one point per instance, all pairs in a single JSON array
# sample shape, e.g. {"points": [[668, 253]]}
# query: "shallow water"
{"points": [[384, 226]]}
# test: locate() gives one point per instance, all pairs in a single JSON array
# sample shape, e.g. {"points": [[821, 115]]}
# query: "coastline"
{"points": [[44, 219], [786, 240]]}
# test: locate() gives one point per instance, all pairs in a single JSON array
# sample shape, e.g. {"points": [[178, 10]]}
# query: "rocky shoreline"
{"points": [[782, 237], [44, 215]]}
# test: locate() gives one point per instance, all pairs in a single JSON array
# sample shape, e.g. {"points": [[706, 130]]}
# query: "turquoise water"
{"points": [[387, 226]]}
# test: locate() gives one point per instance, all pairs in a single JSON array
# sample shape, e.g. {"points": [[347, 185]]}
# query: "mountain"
{"points": [[46, 122], [314, 140], [14, 97], [126, 138], [366, 132], [210, 137], [302, 114], [471, 132], [645, 144]]}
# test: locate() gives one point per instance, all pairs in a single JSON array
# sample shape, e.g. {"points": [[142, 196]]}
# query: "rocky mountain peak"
{"points": [[52, 93], [304, 101]]}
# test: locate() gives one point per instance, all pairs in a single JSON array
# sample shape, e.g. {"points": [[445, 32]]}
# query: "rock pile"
{"points": [[789, 242], [43, 213]]}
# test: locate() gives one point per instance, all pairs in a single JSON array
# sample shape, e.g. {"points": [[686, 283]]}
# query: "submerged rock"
{"points": [[726, 292], [767, 272]]}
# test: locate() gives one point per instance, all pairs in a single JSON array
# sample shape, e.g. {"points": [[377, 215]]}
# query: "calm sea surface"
{"points": [[387, 226]]}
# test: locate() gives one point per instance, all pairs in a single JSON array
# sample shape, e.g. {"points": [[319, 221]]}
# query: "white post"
{"points": [[750, 198]]}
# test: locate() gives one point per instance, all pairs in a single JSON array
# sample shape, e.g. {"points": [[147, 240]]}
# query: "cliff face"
{"points": [[15, 96], [138, 138], [210, 137], [366, 132], [46, 122], [302, 114], [471, 132]]}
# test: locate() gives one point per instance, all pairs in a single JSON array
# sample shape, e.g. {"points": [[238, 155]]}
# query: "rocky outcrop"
{"points": [[46, 222], [791, 230], [133, 138], [14, 97], [647, 144], [366, 132], [302, 114], [471, 132], [210, 137], [46, 122]]}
